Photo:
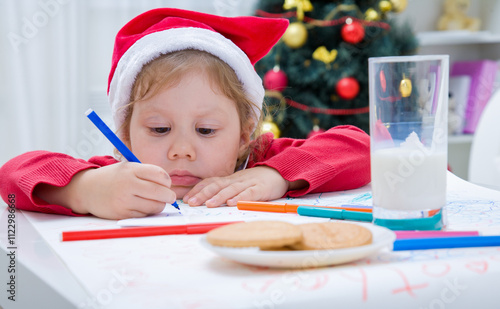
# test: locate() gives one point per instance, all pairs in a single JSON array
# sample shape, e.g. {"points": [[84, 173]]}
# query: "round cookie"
{"points": [[263, 234], [332, 235]]}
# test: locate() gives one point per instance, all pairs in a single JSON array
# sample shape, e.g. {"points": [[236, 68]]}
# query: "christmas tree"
{"points": [[316, 77]]}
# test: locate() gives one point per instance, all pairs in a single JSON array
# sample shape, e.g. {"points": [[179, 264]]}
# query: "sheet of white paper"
{"points": [[202, 214]]}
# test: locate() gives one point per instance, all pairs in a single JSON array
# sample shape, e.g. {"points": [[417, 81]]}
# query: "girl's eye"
{"points": [[161, 130], [205, 131]]}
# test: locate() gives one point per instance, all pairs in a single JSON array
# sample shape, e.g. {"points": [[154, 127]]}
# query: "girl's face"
{"points": [[189, 130]]}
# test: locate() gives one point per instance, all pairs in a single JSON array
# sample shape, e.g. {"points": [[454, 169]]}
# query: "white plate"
{"points": [[382, 237]]}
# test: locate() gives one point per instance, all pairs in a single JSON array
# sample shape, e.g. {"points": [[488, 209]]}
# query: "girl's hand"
{"points": [[117, 191], [259, 183]]}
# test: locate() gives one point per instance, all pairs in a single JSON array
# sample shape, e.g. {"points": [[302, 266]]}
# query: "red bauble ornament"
{"points": [[347, 88], [275, 79], [352, 32]]}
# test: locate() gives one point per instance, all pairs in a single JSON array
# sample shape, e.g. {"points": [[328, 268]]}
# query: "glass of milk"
{"points": [[408, 131]]}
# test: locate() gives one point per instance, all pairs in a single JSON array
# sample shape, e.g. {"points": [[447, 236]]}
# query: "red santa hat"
{"points": [[238, 41]]}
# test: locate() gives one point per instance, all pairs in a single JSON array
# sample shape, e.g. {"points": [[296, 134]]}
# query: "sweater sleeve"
{"points": [[22, 174], [338, 159]]}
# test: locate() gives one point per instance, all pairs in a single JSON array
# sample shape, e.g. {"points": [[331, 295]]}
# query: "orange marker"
{"points": [[285, 207]]}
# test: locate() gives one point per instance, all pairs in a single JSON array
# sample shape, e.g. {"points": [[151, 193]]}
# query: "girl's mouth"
{"points": [[184, 178]]}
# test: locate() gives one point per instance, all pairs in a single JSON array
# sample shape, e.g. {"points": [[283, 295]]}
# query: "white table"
{"points": [[177, 272]]}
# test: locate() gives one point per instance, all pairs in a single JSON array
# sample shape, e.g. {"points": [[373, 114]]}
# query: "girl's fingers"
{"points": [[230, 192], [153, 191], [152, 173], [195, 190], [246, 195], [152, 183], [132, 213], [208, 190], [258, 183], [141, 207], [127, 190]]}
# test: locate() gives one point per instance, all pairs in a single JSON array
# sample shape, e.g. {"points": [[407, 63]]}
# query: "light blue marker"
{"points": [[426, 224], [340, 214], [120, 146]]}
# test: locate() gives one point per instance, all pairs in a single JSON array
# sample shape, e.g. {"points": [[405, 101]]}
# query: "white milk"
{"points": [[409, 178]]}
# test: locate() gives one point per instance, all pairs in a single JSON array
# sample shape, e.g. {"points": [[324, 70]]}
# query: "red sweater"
{"points": [[338, 159]]}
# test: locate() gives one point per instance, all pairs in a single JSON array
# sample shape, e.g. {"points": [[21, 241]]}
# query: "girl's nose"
{"points": [[181, 148]]}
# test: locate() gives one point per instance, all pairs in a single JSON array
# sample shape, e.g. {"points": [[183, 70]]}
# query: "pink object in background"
{"points": [[482, 73]]}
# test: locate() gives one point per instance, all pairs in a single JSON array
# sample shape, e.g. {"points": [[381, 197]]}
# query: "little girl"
{"points": [[188, 103]]}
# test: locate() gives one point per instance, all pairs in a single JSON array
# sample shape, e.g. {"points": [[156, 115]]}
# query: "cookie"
{"points": [[262, 234], [332, 235]]}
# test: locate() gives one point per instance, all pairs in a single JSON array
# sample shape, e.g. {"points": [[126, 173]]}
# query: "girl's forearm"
{"points": [[67, 196]]}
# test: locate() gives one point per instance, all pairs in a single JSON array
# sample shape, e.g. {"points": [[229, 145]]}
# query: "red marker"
{"points": [[199, 228]]}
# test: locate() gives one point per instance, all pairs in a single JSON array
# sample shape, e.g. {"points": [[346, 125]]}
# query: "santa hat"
{"points": [[238, 41]]}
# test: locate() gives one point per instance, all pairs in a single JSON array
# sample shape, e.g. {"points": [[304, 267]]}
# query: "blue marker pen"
{"points": [[446, 242], [120, 146]]}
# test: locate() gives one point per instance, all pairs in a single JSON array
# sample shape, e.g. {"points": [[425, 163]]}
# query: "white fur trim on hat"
{"points": [[156, 44]]}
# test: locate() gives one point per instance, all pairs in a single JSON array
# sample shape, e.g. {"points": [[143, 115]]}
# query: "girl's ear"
{"points": [[124, 131], [125, 136], [246, 134]]}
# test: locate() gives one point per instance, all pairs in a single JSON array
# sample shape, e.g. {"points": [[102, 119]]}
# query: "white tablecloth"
{"points": [[177, 272]]}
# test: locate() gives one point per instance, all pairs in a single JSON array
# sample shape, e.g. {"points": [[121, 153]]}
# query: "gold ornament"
{"points": [[301, 5], [385, 6], [399, 6], [295, 35], [405, 87], [269, 126], [322, 54], [371, 15], [316, 124]]}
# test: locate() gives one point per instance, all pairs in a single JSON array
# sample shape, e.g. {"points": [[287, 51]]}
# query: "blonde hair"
{"points": [[167, 71]]}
